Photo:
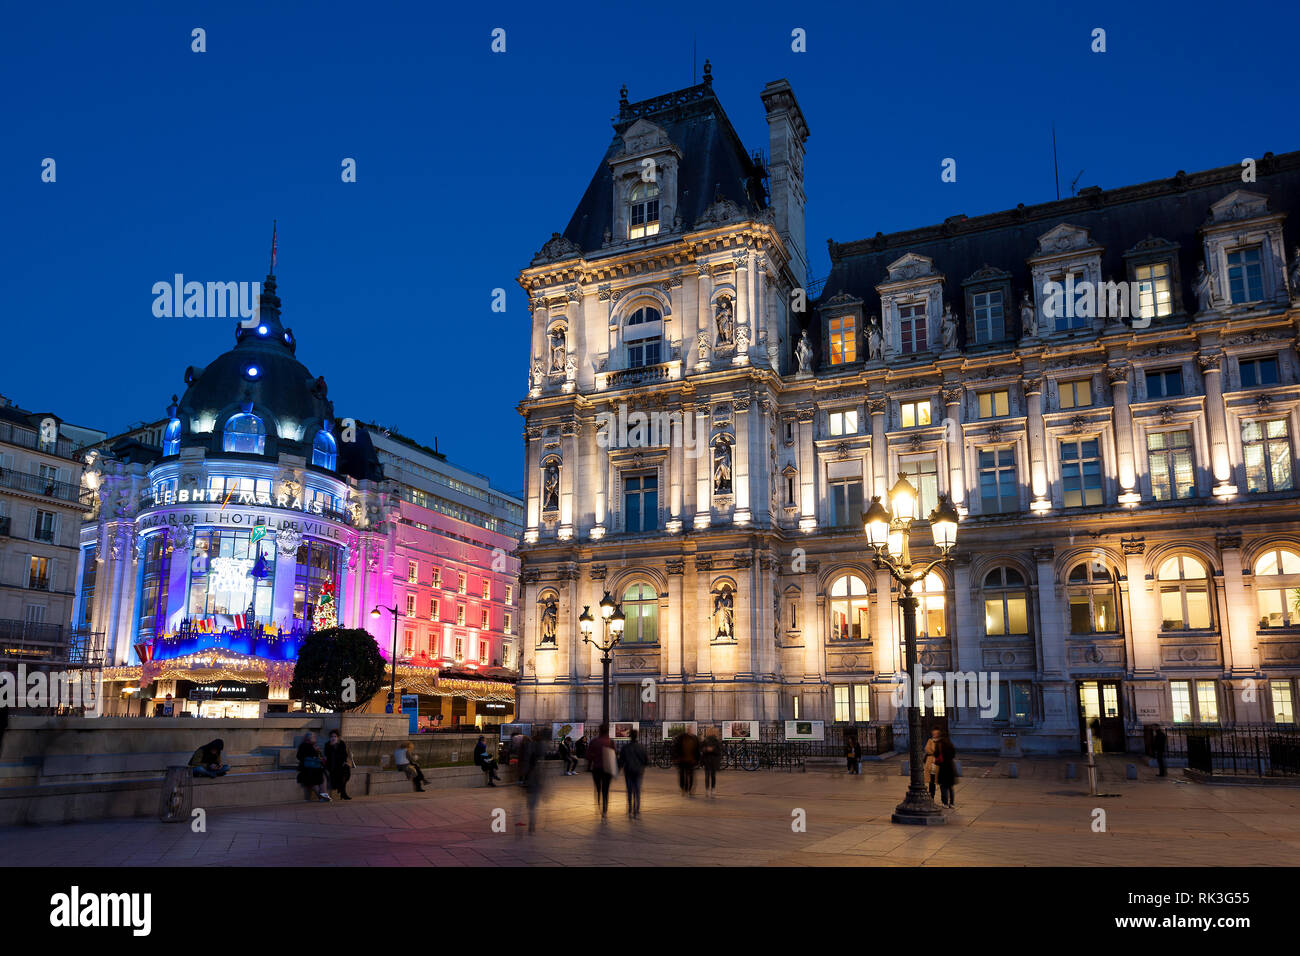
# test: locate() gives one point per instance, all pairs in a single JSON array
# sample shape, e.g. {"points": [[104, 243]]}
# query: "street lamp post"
{"points": [[392, 684], [612, 615], [889, 536]]}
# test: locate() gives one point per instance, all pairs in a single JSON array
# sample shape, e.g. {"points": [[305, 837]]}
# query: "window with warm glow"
{"points": [[1266, 448], [850, 609], [931, 613], [913, 414], [641, 613], [1277, 588], [483, 619], [843, 423], [1180, 695], [1155, 298], [460, 582], [1184, 595], [843, 340], [643, 216], [1006, 603], [1171, 465], [1207, 701], [508, 625], [1076, 394], [410, 605], [861, 703], [994, 404], [922, 471], [642, 336], [487, 590], [412, 572], [841, 703], [433, 610], [460, 615], [1283, 695], [1092, 600]]}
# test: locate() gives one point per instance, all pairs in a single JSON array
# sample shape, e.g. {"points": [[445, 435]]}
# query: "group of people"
{"points": [[689, 752], [319, 771], [941, 767]]}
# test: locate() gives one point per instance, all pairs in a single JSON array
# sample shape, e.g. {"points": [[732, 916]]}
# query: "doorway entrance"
{"points": [[1100, 701]]}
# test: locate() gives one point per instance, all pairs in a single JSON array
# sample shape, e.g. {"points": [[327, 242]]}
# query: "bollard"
{"points": [[1131, 771], [1071, 771], [1013, 772]]}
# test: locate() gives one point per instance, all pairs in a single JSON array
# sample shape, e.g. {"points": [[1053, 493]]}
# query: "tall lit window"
{"points": [[460, 615], [1171, 466], [244, 434], [987, 313], [641, 610], [923, 473], [1266, 447], [913, 414], [931, 616], [998, 490], [841, 703], [861, 703], [850, 609], [1245, 275], [846, 502], [508, 623], [1277, 588], [1184, 595], [643, 337], [843, 339], [510, 593], [412, 571], [911, 329], [1092, 600], [643, 217], [434, 610], [1006, 603], [1207, 701], [460, 582], [1258, 372], [410, 605], [483, 619], [1154, 297], [487, 590], [483, 652], [843, 423], [994, 404], [641, 503], [1077, 394], [1180, 694], [324, 450], [1283, 701], [435, 576], [172, 438], [1081, 472]]}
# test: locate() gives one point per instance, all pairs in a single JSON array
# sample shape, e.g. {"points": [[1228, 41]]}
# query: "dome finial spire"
{"points": [[274, 223]]}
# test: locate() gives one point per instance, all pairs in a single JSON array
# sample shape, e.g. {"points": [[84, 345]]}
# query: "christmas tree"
{"points": [[327, 614]]}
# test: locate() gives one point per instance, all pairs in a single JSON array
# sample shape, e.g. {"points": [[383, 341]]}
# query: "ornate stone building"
{"points": [[1106, 386]]}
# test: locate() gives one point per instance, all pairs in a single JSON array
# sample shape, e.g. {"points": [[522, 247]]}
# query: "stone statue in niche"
{"points": [[1028, 321], [725, 320], [948, 329], [557, 350], [551, 488], [721, 467], [873, 339], [803, 352], [724, 613], [1207, 294], [1295, 273], [550, 620]]}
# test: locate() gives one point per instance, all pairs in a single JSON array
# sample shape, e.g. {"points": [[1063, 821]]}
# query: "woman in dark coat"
{"points": [[338, 764], [947, 772], [311, 768]]}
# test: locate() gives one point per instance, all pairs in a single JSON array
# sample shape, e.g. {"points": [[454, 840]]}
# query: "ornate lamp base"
{"points": [[918, 810]]}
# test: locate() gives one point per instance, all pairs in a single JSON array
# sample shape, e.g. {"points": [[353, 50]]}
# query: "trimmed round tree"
{"points": [[338, 668]]}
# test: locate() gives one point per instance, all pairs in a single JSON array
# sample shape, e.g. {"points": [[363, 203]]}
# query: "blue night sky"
{"points": [[172, 161]]}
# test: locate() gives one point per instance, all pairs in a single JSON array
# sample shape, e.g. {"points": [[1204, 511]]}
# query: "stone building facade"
{"points": [[1106, 386]]}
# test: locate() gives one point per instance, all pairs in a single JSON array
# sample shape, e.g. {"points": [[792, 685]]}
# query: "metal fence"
{"points": [[1262, 750]]}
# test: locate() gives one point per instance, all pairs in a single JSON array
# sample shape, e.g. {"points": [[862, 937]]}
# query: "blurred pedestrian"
{"points": [[710, 760], [566, 754], [931, 768], [338, 764], [580, 748], [404, 758], [1160, 744], [946, 758], [311, 769], [686, 753], [633, 759], [603, 763]]}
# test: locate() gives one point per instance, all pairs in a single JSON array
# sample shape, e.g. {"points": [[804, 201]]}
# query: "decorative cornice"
{"points": [[1134, 545], [598, 572], [1228, 540]]}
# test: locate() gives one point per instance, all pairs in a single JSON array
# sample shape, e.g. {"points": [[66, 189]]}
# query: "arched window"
{"points": [[324, 450], [850, 609], [1006, 603], [244, 433], [642, 334], [931, 614], [641, 609], [1277, 588], [643, 216], [1092, 600], [172, 438], [1184, 595]]}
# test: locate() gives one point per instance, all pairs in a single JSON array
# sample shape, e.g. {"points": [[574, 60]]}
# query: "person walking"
{"points": [[207, 760], [710, 760], [931, 768], [686, 753], [406, 763], [603, 763], [580, 749], [338, 764], [633, 759], [946, 758], [1160, 744], [482, 760], [311, 769], [536, 778], [566, 754], [851, 753]]}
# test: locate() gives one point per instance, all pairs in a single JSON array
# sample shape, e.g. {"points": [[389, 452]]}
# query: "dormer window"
{"points": [[244, 434], [987, 313], [1155, 295], [1245, 275], [844, 339], [912, 337], [324, 450], [642, 335], [172, 438], [643, 217]]}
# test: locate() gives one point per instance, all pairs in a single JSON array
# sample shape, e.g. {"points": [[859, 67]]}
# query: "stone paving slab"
{"points": [[1039, 819]]}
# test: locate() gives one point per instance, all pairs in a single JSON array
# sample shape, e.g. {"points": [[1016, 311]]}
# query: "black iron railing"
{"points": [[38, 485], [1261, 750], [26, 438]]}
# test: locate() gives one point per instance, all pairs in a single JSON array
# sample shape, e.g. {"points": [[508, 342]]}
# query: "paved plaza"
{"points": [[1038, 819]]}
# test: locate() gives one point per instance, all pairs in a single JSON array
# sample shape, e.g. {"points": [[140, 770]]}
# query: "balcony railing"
{"points": [[43, 534], [26, 438], [37, 485], [637, 376]]}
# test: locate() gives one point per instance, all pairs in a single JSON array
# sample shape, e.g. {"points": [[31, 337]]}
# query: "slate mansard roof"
{"points": [[714, 162], [1172, 209]]}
